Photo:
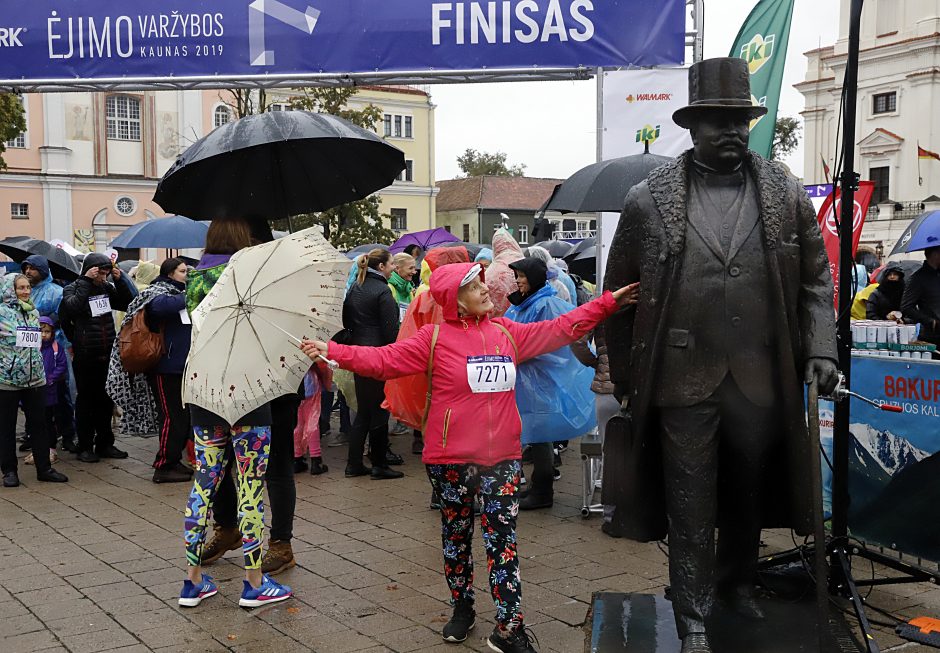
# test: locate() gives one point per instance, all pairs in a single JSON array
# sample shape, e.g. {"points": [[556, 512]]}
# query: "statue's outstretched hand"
{"points": [[628, 294], [825, 372]]}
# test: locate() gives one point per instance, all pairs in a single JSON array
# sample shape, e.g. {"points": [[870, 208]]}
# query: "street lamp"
{"points": [[880, 251]]}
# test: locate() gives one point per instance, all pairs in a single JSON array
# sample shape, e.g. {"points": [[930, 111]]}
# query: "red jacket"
{"points": [[464, 427]]}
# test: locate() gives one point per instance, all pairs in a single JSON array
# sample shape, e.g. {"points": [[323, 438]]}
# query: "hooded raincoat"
{"points": [[463, 426], [499, 278], [20, 367], [46, 295], [553, 391]]}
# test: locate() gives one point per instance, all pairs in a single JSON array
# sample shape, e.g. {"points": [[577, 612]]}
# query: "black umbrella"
{"points": [[603, 186], [62, 265], [557, 248], [584, 264], [276, 165], [364, 249], [584, 245]]}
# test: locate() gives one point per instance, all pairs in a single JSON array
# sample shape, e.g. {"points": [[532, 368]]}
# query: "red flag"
{"points": [[926, 154], [827, 218], [826, 170]]}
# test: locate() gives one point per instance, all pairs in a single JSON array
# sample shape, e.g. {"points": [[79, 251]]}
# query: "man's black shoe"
{"points": [[52, 476], [361, 470], [88, 457], [460, 624], [517, 641], [11, 479], [171, 475], [392, 458], [535, 502], [112, 452], [384, 473]]}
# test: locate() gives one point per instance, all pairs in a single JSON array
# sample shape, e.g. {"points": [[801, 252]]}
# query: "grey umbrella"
{"points": [[557, 248], [63, 265], [276, 165], [603, 186]]}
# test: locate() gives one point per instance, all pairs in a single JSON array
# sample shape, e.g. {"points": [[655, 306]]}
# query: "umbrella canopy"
{"points": [[62, 265], [905, 240], [584, 264], [175, 232], [557, 248], [364, 249], [603, 186], [584, 245], [276, 165], [472, 248], [926, 235], [424, 239], [909, 267], [245, 332]]}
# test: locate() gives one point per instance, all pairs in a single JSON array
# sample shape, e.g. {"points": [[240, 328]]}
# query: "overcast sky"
{"points": [[551, 126]]}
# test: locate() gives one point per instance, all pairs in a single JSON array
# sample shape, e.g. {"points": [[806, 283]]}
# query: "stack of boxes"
{"points": [[888, 340]]}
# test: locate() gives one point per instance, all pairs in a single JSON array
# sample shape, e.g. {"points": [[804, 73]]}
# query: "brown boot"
{"points": [[223, 540], [279, 557]]}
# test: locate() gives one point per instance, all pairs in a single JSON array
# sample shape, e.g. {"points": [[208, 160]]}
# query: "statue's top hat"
{"points": [[722, 83]]}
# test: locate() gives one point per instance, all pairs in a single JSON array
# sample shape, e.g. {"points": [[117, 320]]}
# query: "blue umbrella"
{"points": [[925, 234], [175, 232]]}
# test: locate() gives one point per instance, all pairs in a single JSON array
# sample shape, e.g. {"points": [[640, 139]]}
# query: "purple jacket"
{"points": [[56, 365]]}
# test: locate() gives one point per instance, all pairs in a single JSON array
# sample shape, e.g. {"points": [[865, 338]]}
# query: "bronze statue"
{"points": [[735, 314]]}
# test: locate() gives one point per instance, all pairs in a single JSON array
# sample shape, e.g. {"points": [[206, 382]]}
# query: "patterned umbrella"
{"points": [[246, 331]]}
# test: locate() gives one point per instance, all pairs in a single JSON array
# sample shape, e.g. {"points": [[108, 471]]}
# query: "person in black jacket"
{"points": [[886, 298], [166, 312], [88, 323], [921, 302], [370, 314]]}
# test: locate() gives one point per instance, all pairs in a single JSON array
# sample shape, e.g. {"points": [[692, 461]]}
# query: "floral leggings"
{"points": [[498, 487], [251, 445]]}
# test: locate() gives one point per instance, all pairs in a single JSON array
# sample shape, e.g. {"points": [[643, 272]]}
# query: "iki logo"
{"points": [[10, 37], [647, 134], [758, 51], [304, 21], [758, 103]]}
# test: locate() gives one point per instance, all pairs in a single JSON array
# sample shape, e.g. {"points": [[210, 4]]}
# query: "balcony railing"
{"points": [[574, 235]]}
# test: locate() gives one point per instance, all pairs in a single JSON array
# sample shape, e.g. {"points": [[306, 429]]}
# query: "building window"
{"points": [[885, 102], [523, 234], [881, 176], [408, 174], [397, 132], [280, 106], [125, 205], [399, 219], [221, 116], [398, 126], [409, 132], [19, 141], [466, 233], [447, 228], [387, 121], [19, 211], [123, 113]]}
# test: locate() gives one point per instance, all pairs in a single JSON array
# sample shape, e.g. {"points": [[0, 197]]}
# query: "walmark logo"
{"points": [[758, 51], [10, 37], [647, 134], [649, 97]]}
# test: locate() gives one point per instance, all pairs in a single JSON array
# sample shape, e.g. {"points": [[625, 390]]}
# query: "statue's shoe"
{"points": [[696, 643]]}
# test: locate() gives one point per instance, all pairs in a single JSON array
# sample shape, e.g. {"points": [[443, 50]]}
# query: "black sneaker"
{"points": [[300, 465], [556, 473], [517, 641], [460, 624], [88, 457], [112, 452]]}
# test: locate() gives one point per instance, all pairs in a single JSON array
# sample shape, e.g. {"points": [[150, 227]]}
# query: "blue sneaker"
{"points": [[270, 592], [192, 594]]}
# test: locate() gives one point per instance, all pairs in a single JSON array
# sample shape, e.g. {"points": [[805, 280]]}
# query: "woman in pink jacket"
{"points": [[472, 429]]}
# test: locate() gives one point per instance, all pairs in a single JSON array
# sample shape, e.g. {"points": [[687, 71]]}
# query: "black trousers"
{"points": [[93, 406], [720, 446], [543, 471], [372, 420], [326, 410], [279, 477], [173, 422], [34, 405], [64, 412]]}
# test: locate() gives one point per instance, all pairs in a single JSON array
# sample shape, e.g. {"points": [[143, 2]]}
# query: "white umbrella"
{"points": [[246, 331]]}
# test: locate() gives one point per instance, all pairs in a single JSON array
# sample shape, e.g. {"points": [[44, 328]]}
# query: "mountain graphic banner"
{"points": [[762, 42]]}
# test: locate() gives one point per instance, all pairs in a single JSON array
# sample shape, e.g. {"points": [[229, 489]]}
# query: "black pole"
{"points": [[848, 184]]}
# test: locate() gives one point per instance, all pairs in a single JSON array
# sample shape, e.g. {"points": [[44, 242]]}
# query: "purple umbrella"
{"points": [[424, 239]]}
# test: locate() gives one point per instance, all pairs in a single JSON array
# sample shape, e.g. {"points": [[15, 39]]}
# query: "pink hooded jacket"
{"points": [[464, 427]]}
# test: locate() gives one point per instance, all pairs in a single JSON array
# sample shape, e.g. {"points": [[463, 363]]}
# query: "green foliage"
{"points": [[12, 121], [347, 225], [786, 137], [475, 164]]}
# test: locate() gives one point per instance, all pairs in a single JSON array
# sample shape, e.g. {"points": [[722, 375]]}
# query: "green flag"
{"points": [[762, 42]]}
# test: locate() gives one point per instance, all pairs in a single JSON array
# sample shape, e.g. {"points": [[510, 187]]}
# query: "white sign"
{"points": [[491, 373], [30, 337], [100, 305], [637, 108]]}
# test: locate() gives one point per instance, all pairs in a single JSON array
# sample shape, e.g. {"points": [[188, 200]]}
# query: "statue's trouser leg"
{"points": [[690, 468]]}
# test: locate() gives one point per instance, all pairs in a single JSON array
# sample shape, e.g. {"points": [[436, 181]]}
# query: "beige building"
{"points": [[88, 163], [898, 96]]}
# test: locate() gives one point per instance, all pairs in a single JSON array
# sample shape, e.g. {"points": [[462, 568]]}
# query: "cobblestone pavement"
{"points": [[96, 565]]}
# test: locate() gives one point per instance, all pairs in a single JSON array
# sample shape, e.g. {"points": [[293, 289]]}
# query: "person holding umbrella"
{"points": [[472, 427], [921, 301]]}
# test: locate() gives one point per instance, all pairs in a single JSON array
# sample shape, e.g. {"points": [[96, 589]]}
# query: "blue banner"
{"points": [[894, 458], [159, 39]]}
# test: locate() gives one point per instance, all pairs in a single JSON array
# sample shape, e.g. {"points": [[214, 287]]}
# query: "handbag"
{"points": [[140, 348]]}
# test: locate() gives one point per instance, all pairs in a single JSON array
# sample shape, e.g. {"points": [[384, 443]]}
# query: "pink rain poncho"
{"points": [[500, 280]]}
